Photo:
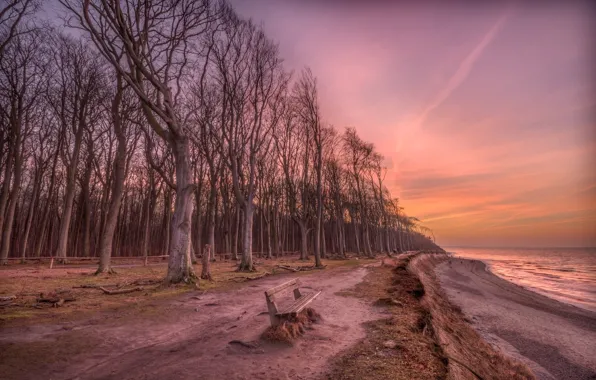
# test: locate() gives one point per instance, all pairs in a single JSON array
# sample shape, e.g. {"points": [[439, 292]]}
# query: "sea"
{"points": [[565, 274]]}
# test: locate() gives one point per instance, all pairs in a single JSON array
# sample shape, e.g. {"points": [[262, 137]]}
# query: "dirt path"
{"points": [[189, 338]]}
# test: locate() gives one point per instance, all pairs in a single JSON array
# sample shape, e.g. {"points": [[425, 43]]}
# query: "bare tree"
{"points": [[157, 39], [251, 79], [22, 81], [76, 95], [12, 14], [305, 93], [121, 114]]}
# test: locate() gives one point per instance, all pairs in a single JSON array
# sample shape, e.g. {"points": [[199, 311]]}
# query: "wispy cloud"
{"points": [[464, 68], [460, 75]]}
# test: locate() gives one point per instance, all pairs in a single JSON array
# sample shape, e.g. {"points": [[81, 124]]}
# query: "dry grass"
{"points": [[470, 357], [396, 347], [27, 281]]}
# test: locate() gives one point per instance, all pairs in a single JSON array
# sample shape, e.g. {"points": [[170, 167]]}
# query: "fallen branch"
{"points": [[94, 286], [120, 291], [56, 299], [7, 298], [288, 268], [6, 303], [301, 269], [141, 282], [242, 343]]}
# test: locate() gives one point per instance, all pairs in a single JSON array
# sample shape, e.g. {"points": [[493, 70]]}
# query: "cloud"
{"points": [[460, 75]]}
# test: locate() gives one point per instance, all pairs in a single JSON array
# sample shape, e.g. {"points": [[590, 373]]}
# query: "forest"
{"points": [[157, 127]]}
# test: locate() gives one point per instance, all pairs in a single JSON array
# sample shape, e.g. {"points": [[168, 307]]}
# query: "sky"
{"points": [[486, 114]]}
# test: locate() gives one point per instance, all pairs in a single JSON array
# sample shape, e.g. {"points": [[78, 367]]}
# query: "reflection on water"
{"points": [[565, 274]]}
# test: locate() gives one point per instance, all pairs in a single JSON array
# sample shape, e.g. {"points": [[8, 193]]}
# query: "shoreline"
{"points": [[555, 339], [535, 290]]}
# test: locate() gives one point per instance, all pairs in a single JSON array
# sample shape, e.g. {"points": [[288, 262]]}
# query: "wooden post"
{"points": [[52, 262], [271, 307]]}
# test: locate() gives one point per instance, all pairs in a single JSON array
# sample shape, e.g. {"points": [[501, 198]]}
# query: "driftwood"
{"points": [[120, 291]]}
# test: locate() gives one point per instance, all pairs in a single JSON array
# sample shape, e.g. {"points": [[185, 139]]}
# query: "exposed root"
{"points": [[291, 327], [246, 268], [301, 269], [120, 291], [108, 270], [243, 279], [287, 268]]}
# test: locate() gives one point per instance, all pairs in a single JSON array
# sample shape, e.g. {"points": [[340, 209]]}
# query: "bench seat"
{"points": [[298, 305], [300, 301]]}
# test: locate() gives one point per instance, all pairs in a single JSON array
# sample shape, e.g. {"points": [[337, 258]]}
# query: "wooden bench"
{"points": [[300, 301]]}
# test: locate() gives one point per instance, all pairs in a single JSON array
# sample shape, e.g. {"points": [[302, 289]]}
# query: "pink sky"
{"points": [[486, 114]]}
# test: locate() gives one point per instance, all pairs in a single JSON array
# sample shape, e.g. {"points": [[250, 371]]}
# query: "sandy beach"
{"points": [[556, 340]]}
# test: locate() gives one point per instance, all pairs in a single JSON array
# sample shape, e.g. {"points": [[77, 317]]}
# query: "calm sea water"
{"points": [[565, 274]]}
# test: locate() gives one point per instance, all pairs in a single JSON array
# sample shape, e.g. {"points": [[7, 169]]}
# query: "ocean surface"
{"points": [[565, 274]]}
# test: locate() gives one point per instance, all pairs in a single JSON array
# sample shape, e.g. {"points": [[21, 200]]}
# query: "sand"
{"points": [[556, 340]]}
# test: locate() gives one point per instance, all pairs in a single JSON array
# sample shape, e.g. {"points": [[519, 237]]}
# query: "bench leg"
{"points": [[297, 293], [272, 313]]}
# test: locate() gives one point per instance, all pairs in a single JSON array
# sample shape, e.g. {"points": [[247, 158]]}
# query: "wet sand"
{"points": [[556, 340]]}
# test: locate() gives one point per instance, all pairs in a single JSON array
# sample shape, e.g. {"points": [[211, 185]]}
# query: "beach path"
{"points": [[556, 340]]}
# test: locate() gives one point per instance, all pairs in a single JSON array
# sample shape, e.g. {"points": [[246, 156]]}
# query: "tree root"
{"points": [[301, 269], [250, 278], [120, 291], [109, 270], [287, 268]]}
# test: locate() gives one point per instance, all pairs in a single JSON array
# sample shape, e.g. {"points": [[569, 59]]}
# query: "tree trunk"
{"points": [[167, 221], [357, 236], [149, 207], [12, 202], [86, 196], [206, 263], [236, 234], [246, 263], [69, 197], [119, 173], [303, 239], [32, 207], [179, 262], [5, 192]]}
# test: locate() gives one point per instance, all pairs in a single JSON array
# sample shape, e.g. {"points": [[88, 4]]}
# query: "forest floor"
{"points": [[77, 282], [177, 333]]}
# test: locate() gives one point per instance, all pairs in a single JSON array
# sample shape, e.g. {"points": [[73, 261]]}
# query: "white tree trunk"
{"points": [[179, 262]]}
